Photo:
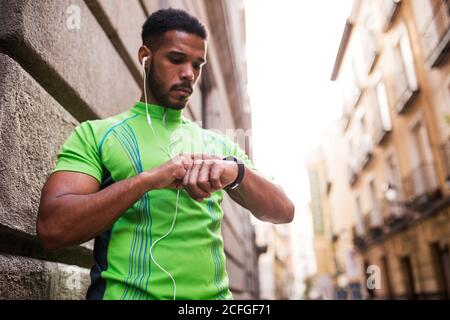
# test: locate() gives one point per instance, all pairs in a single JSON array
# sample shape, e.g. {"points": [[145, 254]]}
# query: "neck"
{"points": [[152, 100], [157, 111]]}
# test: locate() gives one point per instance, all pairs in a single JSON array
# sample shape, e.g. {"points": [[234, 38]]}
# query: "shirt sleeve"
{"points": [[233, 149], [80, 153]]}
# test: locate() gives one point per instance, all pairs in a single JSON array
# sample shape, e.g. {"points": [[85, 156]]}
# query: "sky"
{"points": [[291, 49]]}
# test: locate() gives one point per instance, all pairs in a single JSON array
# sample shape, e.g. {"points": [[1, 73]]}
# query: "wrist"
{"points": [[238, 173], [147, 179]]}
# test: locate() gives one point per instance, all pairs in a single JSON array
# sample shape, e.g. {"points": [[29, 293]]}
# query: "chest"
{"points": [[131, 149]]}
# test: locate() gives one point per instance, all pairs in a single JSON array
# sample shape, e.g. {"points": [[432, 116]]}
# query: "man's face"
{"points": [[175, 68]]}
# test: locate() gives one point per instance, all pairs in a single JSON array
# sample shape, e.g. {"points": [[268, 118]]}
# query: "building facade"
{"points": [[64, 62], [387, 156], [325, 277], [275, 261]]}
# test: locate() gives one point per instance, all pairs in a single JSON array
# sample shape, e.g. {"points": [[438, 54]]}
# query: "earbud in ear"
{"points": [[143, 61]]}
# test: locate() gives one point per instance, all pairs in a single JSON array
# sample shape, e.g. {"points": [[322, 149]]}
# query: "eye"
{"points": [[175, 60]]}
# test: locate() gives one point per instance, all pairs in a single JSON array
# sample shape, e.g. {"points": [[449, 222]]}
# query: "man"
{"points": [[142, 185]]}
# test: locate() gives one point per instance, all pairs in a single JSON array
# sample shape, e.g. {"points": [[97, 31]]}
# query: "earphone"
{"points": [[149, 120]]}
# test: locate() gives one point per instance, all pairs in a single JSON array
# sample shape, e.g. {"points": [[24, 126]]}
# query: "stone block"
{"points": [[61, 44]]}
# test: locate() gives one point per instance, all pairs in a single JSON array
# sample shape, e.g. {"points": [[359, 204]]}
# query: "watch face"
{"points": [[230, 158]]}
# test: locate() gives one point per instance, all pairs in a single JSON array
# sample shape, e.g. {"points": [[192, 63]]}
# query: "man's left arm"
{"points": [[266, 200], [263, 198]]}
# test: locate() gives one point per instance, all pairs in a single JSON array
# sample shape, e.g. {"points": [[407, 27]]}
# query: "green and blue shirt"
{"points": [[121, 147]]}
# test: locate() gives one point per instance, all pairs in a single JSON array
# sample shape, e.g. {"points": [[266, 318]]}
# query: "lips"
{"points": [[184, 90]]}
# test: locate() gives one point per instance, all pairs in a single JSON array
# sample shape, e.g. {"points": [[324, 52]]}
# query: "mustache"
{"points": [[185, 86]]}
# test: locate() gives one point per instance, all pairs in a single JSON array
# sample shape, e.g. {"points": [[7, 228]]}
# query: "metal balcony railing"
{"points": [[393, 212], [422, 182], [373, 223]]}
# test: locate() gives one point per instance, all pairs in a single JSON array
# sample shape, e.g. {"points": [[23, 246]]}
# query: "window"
{"points": [[363, 125], [352, 87], [393, 179], [408, 277], [441, 265], [387, 278], [316, 205], [389, 10], [408, 61], [360, 230], [422, 178], [367, 39], [383, 124], [375, 218], [364, 152], [393, 174], [352, 175], [406, 85]]}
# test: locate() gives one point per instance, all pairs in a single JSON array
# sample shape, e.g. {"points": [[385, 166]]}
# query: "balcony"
{"points": [[373, 224], [436, 35], [398, 210], [369, 228], [374, 227], [421, 186], [395, 214]]}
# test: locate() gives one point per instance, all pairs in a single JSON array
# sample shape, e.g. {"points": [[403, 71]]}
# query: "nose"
{"points": [[187, 73]]}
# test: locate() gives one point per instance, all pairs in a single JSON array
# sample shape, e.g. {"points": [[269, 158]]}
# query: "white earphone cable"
{"points": [[178, 192]]}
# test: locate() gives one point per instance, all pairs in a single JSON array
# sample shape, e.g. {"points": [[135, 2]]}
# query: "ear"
{"points": [[144, 53]]}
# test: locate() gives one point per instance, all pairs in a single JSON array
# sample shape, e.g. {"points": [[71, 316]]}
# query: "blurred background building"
{"points": [[63, 62], [380, 182]]}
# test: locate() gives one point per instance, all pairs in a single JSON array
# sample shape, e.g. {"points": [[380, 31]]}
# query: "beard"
{"points": [[163, 97]]}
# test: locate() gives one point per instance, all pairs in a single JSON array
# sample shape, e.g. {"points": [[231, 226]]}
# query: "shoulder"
{"points": [[98, 130]]}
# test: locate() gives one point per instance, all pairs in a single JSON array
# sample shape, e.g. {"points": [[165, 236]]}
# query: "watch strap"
{"points": [[241, 172]]}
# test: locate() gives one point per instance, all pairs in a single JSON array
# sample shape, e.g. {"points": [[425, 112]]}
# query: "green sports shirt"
{"points": [[121, 147]]}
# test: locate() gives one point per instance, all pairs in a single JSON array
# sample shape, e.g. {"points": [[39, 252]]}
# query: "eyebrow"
{"points": [[178, 53]]}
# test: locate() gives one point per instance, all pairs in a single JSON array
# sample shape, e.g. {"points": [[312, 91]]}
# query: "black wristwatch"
{"points": [[241, 172]]}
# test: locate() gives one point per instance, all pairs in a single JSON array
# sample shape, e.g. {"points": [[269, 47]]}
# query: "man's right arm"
{"points": [[73, 210]]}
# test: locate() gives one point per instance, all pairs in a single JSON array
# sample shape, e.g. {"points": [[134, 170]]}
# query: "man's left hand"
{"points": [[207, 174]]}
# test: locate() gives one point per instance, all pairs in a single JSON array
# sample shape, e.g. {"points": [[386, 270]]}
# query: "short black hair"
{"points": [[170, 19]]}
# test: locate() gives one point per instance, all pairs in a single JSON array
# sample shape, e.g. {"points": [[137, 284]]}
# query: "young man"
{"points": [[147, 184]]}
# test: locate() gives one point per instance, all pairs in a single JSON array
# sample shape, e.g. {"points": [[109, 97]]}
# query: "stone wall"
{"points": [[57, 71]]}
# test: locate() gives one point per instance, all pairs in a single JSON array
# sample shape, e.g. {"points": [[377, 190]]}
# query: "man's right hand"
{"points": [[170, 174]]}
